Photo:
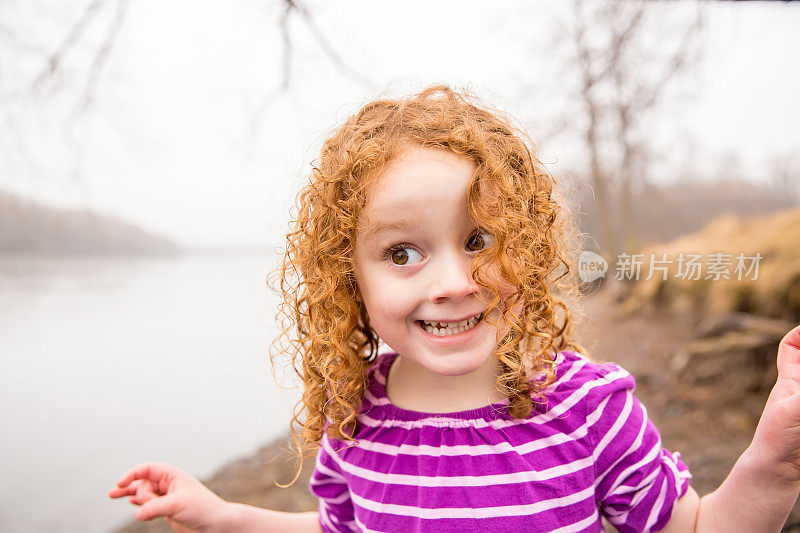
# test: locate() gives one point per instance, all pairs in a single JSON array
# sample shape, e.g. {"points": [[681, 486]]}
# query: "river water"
{"points": [[105, 363]]}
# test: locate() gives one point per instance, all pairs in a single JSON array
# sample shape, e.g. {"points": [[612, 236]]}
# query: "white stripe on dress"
{"points": [[650, 456], [335, 477], [325, 516], [614, 430], [577, 526], [365, 529], [657, 506], [375, 401]]}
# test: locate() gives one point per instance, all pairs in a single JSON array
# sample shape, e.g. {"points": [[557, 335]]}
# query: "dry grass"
{"points": [[775, 293]]}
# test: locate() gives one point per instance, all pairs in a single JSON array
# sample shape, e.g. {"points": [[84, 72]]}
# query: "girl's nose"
{"points": [[453, 280]]}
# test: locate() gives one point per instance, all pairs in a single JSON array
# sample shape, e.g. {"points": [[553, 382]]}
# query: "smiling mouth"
{"points": [[444, 329]]}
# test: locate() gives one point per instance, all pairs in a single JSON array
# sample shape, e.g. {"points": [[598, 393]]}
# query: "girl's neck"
{"points": [[410, 386]]}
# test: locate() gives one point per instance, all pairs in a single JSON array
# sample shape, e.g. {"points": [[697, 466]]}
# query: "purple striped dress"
{"points": [[590, 451]]}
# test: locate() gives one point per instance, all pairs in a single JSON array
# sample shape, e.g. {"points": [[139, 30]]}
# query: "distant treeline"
{"points": [[27, 227], [665, 212]]}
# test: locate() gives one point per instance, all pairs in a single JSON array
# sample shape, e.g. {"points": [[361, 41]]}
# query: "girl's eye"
{"points": [[479, 241], [404, 255]]}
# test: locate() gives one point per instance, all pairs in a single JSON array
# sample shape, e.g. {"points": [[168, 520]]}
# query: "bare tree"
{"points": [[625, 59], [291, 7], [45, 82]]}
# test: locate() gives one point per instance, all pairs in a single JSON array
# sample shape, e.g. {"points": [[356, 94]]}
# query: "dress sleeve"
{"points": [[637, 482], [329, 485]]}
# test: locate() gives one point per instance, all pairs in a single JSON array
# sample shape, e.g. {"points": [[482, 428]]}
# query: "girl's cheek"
{"points": [[506, 290], [494, 277]]}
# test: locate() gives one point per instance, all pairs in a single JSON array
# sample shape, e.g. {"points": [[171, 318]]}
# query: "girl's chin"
{"points": [[459, 364]]}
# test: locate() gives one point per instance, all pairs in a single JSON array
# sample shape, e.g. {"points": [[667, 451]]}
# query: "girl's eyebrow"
{"points": [[403, 224]]}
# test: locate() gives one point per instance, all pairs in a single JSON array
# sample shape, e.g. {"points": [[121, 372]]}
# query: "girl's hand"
{"points": [[163, 490], [776, 444]]}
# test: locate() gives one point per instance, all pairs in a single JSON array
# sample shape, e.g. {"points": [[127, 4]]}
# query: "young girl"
{"points": [[428, 224]]}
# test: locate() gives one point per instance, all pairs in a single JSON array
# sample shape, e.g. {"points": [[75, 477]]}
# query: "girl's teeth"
{"points": [[444, 329]]}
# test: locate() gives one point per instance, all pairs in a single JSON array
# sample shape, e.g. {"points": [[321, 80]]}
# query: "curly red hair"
{"points": [[326, 331]]}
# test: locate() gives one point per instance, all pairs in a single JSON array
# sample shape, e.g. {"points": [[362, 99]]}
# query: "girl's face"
{"points": [[414, 254]]}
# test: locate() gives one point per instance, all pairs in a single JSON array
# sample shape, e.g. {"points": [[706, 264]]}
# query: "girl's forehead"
{"points": [[420, 170], [419, 181], [410, 216]]}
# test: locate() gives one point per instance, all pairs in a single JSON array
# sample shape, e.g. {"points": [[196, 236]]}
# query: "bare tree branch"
{"points": [[99, 62], [290, 6], [73, 36], [54, 62], [334, 56], [287, 51], [254, 124], [621, 37], [675, 65], [286, 56]]}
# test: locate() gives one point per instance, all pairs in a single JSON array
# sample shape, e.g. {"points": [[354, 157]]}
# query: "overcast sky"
{"points": [[167, 146]]}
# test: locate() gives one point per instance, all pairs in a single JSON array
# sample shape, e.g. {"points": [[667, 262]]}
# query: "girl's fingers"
{"points": [[119, 492], [163, 506], [151, 471], [142, 492], [145, 494], [789, 355], [140, 471], [129, 490], [146, 485]]}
